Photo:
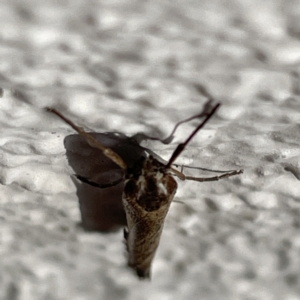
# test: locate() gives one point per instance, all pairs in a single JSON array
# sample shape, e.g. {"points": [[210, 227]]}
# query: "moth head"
{"points": [[149, 183]]}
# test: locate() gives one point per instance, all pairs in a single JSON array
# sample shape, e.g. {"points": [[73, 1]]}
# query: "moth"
{"points": [[148, 188]]}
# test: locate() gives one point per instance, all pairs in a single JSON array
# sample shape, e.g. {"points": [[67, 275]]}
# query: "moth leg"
{"points": [[179, 174], [215, 178], [92, 141], [200, 168], [125, 233], [180, 147], [95, 184], [202, 179]]}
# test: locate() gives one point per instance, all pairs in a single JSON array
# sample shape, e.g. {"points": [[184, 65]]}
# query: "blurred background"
{"points": [[139, 66]]}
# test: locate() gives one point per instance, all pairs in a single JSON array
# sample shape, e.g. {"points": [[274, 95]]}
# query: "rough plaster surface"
{"points": [[134, 66]]}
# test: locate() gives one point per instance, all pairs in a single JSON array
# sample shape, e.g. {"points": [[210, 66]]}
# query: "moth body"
{"points": [[147, 182], [148, 192]]}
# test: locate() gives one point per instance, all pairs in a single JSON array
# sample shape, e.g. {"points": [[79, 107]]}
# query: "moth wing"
{"points": [[101, 209]]}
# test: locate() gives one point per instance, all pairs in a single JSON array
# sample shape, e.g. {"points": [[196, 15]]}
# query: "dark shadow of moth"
{"points": [[101, 208], [147, 184]]}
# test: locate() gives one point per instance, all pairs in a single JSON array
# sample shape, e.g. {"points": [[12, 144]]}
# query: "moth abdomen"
{"points": [[143, 273], [146, 201]]}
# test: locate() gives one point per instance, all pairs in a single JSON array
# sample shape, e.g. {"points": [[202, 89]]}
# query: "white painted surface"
{"points": [[131, 66]]}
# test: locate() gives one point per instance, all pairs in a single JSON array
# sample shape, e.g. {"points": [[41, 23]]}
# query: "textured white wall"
{"points": [[133, 66]]}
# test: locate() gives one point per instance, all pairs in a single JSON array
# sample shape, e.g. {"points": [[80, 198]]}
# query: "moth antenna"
{"points": [[181, 146], [92, 141], [169, 138], [204, 112], [203, 91], [98, 185]]}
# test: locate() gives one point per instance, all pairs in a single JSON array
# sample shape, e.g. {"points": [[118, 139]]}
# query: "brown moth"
{"points": [[149, 188]]}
